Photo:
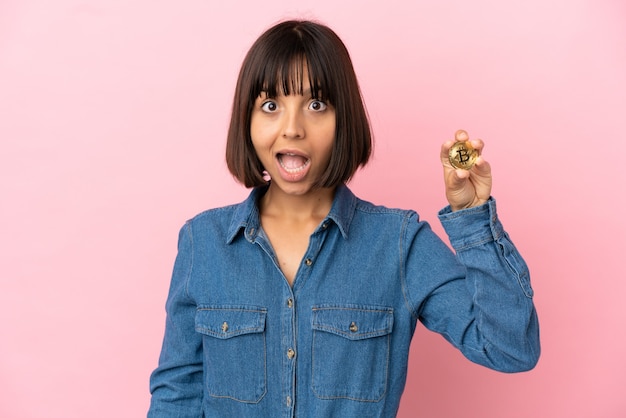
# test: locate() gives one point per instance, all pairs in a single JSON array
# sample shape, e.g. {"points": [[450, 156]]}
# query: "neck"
{"points": [[315, 204]]}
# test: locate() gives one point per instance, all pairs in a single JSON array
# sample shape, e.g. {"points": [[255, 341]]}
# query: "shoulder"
{"points": [[212, 215], [348, 205], [367, 208], [385, 220], [234, 213], [353, 213], [221, 224], [212, 224]]}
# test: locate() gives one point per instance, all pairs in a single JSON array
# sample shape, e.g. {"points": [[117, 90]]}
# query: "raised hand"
{"points": [[466, 188]]}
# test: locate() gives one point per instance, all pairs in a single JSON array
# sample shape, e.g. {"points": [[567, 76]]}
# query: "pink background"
{"points": [[113, 115]]}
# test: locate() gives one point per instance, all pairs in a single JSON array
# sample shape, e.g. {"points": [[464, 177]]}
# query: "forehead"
{"points": [[291, 77]]}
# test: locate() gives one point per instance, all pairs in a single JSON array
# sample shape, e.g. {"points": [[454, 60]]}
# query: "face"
{"points": [[293, 137]]}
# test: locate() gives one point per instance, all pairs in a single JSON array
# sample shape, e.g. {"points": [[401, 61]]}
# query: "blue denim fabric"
{"points": [[240, 342]]}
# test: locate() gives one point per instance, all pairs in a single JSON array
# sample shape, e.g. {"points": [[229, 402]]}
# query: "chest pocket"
{"points": [[351, 351], [234, 351]]}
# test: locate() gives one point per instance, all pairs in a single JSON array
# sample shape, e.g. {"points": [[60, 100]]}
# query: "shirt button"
{"points": [[353, 327], [289, 303], [288, 402], [225, 327], [325, 225], [290, 354], [308, 261]]}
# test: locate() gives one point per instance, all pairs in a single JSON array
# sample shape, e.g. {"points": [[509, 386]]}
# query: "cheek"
{"points": [[260, 144], [328, 146], [257, 141], [261, 132], [332, 125], [331, 133]]}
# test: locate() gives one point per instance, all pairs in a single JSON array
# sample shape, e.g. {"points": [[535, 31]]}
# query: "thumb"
{"points": [[457, 178]]}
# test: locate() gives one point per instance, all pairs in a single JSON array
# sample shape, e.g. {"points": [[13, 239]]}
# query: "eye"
{"points": [[318, 106], [269, 106]]}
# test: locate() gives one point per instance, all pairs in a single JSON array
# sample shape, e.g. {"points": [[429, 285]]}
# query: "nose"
{"points": [[293, 124]]}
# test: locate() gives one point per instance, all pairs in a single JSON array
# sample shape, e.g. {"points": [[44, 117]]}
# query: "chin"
{"points": [[295, 189]]}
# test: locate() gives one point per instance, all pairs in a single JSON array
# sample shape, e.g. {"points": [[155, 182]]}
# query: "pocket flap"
{"points": [[355, 322], [229, 321]]}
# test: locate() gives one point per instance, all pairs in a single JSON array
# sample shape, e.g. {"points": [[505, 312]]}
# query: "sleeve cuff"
{"points": [[473, 226]]}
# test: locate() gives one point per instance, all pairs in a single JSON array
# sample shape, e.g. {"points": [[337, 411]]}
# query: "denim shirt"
{"points": [[241, 342]]}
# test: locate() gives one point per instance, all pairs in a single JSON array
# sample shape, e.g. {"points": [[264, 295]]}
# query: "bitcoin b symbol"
{"points": [[462, 155]]}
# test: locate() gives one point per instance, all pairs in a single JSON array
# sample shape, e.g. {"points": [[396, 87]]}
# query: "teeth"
{"points": [[293, 170]]}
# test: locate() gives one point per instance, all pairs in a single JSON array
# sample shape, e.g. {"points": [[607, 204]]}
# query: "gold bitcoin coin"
{"points": [[462, 155]]}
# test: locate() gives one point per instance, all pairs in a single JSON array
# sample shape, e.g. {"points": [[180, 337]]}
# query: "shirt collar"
{"points": [[246, 215], [343, 208]]}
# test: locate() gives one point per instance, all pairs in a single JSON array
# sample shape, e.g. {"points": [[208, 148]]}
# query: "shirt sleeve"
{"points": [[479, 299], [176, 384]]}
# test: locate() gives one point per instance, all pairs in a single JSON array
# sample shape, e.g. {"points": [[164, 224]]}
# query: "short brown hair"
{"points": [[272, 66]]}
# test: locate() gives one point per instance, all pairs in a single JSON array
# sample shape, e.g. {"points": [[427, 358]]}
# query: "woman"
{"points": [[302, 300]]}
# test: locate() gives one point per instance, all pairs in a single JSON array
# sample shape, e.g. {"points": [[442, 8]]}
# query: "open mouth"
{"points": [[293, 163]]}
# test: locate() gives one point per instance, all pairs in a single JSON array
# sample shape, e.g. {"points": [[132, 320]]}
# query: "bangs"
{"points": [[284, 72]]}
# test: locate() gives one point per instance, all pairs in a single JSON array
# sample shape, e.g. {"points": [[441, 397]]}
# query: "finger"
{"points": [[482, 167], [461, 135], [456, 181], [445, 153], [460, 176], [477, 144]]}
